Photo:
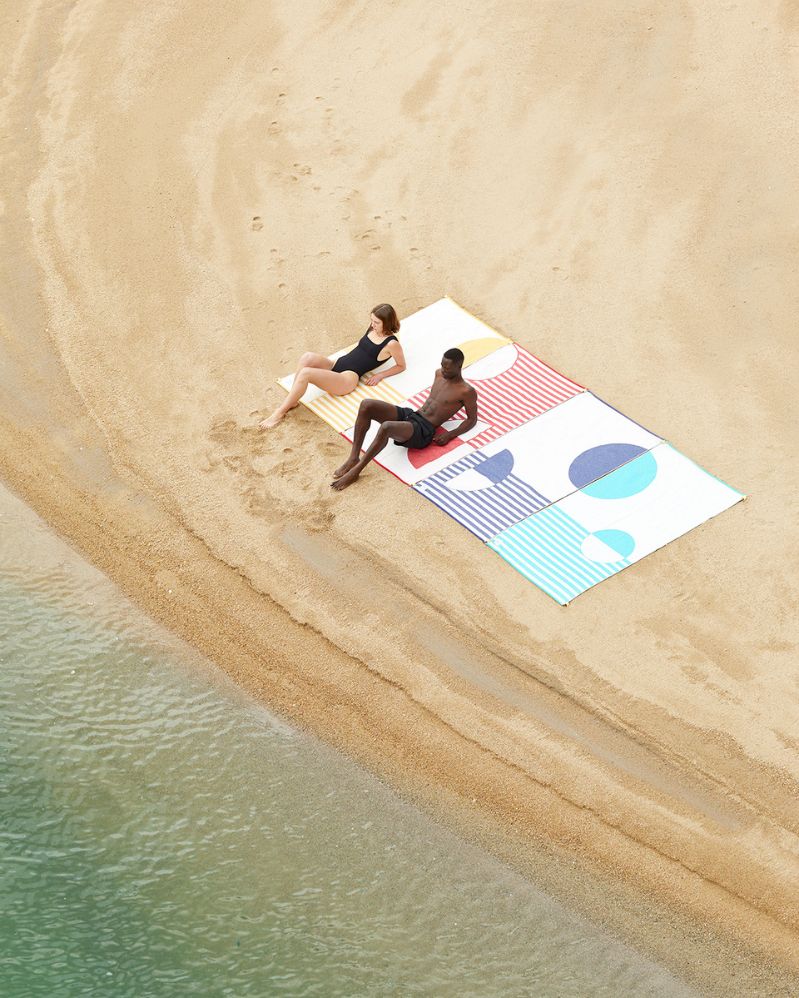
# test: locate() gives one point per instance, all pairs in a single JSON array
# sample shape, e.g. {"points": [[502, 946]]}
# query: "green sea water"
{"points": [[161, 835]]}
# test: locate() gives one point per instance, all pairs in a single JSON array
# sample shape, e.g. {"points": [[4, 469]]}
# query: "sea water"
{"points": [[162, 835]]}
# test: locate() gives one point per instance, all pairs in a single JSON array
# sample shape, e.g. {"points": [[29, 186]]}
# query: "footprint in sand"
{"points": [[223, 431], [257, 223], [255, 502]]}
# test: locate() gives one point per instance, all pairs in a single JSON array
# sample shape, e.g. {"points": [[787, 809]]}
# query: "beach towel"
{"points": [[565, 488], [567, 447], [615, 521]]}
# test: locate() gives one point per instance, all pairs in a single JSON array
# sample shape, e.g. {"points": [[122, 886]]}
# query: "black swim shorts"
{"points": [[423, 432]]}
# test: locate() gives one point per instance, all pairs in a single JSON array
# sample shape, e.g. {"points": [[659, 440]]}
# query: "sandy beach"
{"points": [[193, 196]]}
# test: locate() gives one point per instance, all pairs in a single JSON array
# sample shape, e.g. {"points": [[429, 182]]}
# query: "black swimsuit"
{"points": [[423, 429], [363, 357]]}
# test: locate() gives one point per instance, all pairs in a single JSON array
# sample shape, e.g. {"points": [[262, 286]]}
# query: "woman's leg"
{"points": [[314, 360], [332, 382], [308, 360]]}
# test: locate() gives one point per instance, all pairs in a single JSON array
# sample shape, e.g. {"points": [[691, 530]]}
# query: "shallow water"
{"points": [[161, 835]]}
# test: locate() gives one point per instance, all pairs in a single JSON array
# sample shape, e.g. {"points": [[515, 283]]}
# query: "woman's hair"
{"points": [[391, 323]]}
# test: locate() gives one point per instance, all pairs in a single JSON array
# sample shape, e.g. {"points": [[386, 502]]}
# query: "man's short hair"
{"points": [[456, 355]]}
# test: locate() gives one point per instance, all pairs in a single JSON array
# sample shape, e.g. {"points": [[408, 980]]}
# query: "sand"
{"points": [[194, 194]]}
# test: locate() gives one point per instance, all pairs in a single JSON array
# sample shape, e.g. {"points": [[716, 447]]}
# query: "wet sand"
{"points": [[192, 197]]}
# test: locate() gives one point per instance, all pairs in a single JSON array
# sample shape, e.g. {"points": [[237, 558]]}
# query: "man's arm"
{"points": [[470, 405]]}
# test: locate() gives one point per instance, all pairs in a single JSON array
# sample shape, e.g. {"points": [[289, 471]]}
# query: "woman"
{"points": [[377, 345]]}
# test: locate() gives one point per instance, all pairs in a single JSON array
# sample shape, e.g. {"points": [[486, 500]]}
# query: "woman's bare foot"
{"points": [[346, 479], [271, 421], [349, 463]]}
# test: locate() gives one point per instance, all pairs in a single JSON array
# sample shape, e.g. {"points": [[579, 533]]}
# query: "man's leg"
{"points": [[390, 430], [368, 410]]}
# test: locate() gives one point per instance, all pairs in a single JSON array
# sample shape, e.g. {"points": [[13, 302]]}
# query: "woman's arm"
{"points": [[396, 354]]}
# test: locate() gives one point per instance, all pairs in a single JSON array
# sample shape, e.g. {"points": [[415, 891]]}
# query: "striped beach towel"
{"points": [[562, 486], [340, 412], [482, 493], [512, 387]]}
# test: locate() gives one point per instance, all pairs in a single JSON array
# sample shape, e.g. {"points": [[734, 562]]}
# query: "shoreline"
{"points": [[179, 239], [703, 925]]}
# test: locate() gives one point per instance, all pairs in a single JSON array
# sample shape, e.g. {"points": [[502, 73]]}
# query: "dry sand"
{"points": [[193, 194]]}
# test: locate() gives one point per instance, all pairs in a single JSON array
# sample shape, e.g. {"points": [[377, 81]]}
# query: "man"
{"points": [[409, 428]]}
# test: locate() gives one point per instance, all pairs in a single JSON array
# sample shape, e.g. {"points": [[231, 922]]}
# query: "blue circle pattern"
{"points": [[497, 468]]}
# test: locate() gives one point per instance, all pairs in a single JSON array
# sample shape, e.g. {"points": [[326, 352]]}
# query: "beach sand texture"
{"points": [[194, 194]]}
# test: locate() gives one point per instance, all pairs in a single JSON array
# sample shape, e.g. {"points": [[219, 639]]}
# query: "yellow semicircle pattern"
{"points": [[477, 349]]}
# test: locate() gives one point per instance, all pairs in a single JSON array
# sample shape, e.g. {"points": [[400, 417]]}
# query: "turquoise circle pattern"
{"points": [[626, 481], [619, 540]]}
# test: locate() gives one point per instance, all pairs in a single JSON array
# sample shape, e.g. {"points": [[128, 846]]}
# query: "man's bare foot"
{"points": [[345, 480], [349, 463], [271, 421]]}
